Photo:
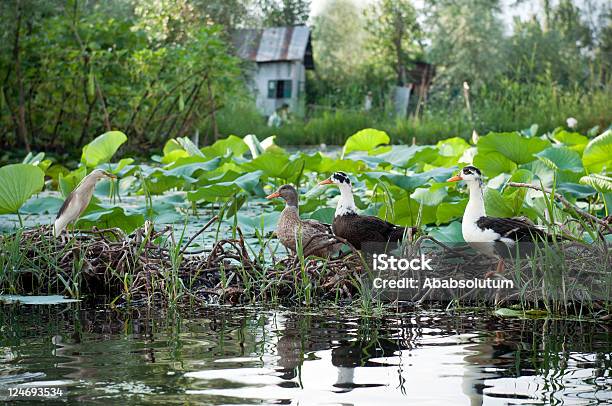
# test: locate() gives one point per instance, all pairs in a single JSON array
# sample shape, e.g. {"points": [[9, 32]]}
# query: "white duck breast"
{"points": [[355, 228], [485, 232], [474, 226], [346, 204], [492, 236], [475, 210]]}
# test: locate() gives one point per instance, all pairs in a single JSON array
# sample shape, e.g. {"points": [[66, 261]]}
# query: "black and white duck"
{"points": [[355, 228], [317, 238], [494, 236]]}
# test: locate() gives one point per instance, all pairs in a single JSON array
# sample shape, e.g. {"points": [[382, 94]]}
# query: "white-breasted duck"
{"points": [[494, 236], [317, 238], [355, 228]]}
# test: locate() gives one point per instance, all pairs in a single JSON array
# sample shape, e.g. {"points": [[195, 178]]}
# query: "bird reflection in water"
{"points": [[295, 347], [490, 353]]}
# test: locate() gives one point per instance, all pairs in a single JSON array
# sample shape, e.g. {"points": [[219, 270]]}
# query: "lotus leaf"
{"points": [[18, 182], [102, 148]]}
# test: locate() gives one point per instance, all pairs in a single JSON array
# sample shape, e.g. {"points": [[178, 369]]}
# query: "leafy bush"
{"points": [[84, 72]]}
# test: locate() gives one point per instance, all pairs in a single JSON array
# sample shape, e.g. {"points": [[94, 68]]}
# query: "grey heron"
{"points": [[78, 200]]}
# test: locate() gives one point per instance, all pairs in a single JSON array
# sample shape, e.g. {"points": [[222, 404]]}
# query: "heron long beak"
{"points": [[273, 195], [326, 182], [455, 178], [110, 175]]}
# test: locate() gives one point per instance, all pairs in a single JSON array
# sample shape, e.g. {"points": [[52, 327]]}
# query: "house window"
{"points": [[279, 89]]}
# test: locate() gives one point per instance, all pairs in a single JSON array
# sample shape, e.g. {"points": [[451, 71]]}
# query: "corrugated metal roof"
{"points": [[272, 44]]}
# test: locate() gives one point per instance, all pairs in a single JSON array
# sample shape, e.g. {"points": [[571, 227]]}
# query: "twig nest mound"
{"points": [[147, 266]]}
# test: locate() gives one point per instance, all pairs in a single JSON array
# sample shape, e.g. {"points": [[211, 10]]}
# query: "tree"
{"points": [[278, 13], [559, 52], [604, 49], [229, 14], [339, 38], [75, 70], [342, 58], [570, 25], [394, 35], [467, 42], [174, 20], [18, 18]]}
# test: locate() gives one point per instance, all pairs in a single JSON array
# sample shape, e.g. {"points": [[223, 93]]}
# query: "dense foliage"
{"points": [[76, 73], [533, 69], [158, 69], [466, 40]]}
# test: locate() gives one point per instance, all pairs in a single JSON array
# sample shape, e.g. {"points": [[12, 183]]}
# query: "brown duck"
{"points": [[317, 238], [355, 228]]}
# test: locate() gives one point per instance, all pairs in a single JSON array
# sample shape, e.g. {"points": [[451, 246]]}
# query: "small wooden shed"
{"points": [[281, 56]]}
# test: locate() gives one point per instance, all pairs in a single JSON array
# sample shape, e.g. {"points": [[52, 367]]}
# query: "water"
{"points": [[226, 355]]}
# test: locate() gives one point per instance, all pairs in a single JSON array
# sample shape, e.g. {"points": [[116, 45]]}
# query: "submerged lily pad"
{"points": [[505, 312], [36, 300], [530, 313]]}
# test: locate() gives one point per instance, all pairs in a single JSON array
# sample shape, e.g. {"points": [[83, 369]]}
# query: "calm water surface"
{"points": [[225, 355]]}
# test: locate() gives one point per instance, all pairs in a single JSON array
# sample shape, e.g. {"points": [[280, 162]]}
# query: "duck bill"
{"points": [[273, 195], [455, 178], [326, 182]]}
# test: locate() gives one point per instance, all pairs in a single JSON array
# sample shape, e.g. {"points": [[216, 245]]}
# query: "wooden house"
{"points": [[280, 56]]}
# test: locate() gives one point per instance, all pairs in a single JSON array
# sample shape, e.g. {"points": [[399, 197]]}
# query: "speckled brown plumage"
{"points": [[316, 237]]}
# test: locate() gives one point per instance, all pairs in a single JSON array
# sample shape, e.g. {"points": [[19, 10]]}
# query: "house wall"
{"points": [[289, 70]]}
